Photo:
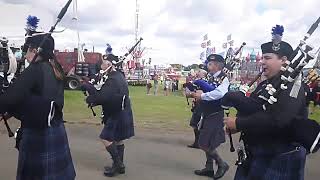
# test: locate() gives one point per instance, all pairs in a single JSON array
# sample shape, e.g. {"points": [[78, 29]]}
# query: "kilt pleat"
{"points": [[288, 165], [45, 155], [212, 133], [119, 126]]}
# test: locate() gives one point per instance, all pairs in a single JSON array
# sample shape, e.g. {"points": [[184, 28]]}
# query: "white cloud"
{"points": [[172, 29]]}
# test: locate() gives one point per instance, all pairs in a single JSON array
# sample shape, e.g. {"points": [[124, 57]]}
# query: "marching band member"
{"points": [[271, 151], [211, 132], [37, 98], [118, 119]]}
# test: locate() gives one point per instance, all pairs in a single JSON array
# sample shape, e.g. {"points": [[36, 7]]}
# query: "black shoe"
{"points": [[194, 145], [204, 172], [122, 169], [222, 169], [117, 163]]}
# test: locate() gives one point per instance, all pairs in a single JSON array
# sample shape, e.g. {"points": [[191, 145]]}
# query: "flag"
{"points": [[209, 43], [208, 52], [202, 55], [229, 37], [204, 45], [230, 52], [213, 50], [224, 45], [205, 37], [231, 42]]}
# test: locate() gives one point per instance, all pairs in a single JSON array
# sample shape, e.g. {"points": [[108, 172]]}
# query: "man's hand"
{"points": [[5, 116], [230, 123], [197, 95], [189, 94]]}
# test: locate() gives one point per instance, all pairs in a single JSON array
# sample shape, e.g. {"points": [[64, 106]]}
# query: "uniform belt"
{"points": [[212, 113], [274, 150]]}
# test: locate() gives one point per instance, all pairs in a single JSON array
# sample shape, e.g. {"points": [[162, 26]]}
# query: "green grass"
{"points": [[169, 112], [316, 114], [161, 111], [165, 112]]}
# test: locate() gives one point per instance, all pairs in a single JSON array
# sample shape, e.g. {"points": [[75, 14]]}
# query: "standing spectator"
{"points": [[166, 86], [177, 84], [316, 91], [149, 85], [156, 84], [173, 85], [161, 79], [308, 95]]}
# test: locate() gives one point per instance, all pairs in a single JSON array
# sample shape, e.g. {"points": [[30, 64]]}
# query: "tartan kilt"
{"points": [[45, 155], [287, 165], [119, 126], [212, 133]]}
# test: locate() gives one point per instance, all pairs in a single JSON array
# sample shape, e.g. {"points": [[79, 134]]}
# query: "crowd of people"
{"points": [[168, 84]]}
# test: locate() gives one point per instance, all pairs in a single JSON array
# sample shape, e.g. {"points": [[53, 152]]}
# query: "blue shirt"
{"points": [[217, 93]]}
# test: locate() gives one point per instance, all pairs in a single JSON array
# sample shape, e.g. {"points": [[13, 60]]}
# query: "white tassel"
{"points": [[290, 79], [123, 99], [272, 100], [264, 107], [272, 91], [268, 87], [296, 87], [283, 78], [262, 97], [51, 113], [200, 123], [290, 69], [283, 87], [315, 143]]}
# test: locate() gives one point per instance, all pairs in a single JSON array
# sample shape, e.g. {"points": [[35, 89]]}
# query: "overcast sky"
{"points": [[172, 29]]}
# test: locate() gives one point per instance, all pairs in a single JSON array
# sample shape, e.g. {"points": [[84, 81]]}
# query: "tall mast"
{"points": [[75, 18]]}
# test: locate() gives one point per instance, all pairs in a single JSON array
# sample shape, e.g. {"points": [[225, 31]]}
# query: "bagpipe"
{"points": [[27, 109], [306, 132], [91, 87], [203, 83]]}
